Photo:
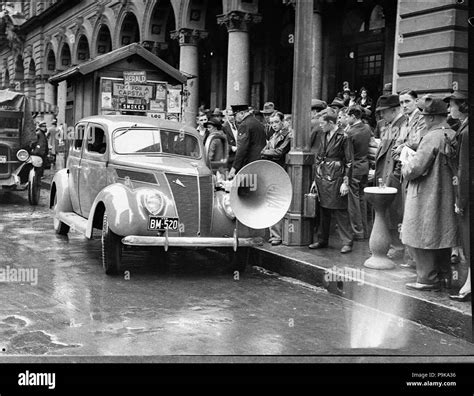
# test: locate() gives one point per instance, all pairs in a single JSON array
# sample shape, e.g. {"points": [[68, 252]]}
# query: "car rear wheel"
{"points": [[111, 249], [60, 227], [34, 188]]}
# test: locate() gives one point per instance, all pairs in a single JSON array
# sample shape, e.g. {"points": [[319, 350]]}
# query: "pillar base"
{"points": [[379, 262]]}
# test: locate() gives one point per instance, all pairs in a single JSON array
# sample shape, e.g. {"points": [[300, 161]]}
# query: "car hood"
{"points": [[163, 163]]}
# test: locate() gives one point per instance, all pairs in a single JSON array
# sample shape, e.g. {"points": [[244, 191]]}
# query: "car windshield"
{"points": [[155, 141]]}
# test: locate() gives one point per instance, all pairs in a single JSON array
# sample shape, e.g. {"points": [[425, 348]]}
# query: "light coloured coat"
{"points": [[429, 220]]}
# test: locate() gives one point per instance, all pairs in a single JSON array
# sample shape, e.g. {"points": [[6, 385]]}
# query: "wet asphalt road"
{"points": [[197, 307]]}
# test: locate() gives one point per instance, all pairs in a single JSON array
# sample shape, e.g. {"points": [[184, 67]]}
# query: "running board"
{"points": [[74, 221]]}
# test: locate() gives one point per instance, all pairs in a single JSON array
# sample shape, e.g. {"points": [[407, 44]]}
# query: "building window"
{"points": [[370, 65]]}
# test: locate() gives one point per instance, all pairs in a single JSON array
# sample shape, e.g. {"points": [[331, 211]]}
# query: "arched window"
{"points": [[51, 62], [65, 56], [104, 40], [129, 32], [83, 49]]}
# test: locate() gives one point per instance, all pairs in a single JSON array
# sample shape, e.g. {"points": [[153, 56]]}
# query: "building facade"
{"points": [[241, 51]]}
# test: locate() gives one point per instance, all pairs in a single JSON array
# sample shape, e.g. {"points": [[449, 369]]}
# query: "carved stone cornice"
{"points": [[238, 20], [187, 36]]}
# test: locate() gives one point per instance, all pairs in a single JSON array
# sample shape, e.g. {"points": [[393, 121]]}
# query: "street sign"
{"points": [[134, 77]]}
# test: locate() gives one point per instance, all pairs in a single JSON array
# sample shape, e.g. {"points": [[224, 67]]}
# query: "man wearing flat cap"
{"points": [[388, 169], [251, 138], [429, 223]]}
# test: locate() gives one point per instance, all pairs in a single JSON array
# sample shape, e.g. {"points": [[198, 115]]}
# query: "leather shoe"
{"points": [[270, 240], [346, 249], [276, 242], [461, 296], [423, 286], [318, 245]]}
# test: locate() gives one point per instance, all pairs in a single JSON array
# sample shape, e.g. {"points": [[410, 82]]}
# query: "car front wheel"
{"points": [[60, 227], [111, 249], [34, 188]]}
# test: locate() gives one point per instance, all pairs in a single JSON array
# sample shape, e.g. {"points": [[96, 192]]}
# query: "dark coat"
{"points": [[429, 221], [367, 104], [389, 169], [360, 134], [250, 142], [226, 128], [277, 147], [333, 165], [40, 147], [216, 147], [462, 188]]}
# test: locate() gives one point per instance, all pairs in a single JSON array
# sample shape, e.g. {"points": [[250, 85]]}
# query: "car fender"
{"points": [[123, 212], [60, 188]]}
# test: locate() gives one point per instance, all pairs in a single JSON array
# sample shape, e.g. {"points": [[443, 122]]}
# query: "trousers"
{"points": [[357, 206], [432, 265], [343, 225]]}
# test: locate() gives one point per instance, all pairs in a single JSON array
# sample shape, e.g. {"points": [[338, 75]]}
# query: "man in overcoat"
{"points": [[251, 138], [276, 149], [332, 176], [387, 168], [360, 134], [429, 223]]}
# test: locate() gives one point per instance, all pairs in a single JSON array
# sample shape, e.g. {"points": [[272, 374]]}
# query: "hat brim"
{"points": [[340, 105], [386, 107]]}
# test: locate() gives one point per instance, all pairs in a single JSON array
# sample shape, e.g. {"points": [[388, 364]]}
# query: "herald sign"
{"points": [[134, 77]]}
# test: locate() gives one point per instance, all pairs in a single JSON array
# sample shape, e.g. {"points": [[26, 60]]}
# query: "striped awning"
{"points": [[40, 106]]}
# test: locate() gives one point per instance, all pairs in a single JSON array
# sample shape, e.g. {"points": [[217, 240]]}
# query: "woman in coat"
{"points": [[459, 110]]}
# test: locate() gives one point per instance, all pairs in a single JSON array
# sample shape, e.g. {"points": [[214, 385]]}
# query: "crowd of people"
{"points": [[419, 145]]}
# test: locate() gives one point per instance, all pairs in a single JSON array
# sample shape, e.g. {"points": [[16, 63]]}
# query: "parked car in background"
{"points": [[18, 169], [145, 183]]}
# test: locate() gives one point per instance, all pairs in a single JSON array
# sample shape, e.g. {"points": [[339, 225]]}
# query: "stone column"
{"points": [[238, 62], [297, 229], [189, 64], [317, 51]]}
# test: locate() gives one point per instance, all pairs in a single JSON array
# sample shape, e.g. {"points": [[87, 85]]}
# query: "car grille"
{"points": [[187, 202], [5, 168]]}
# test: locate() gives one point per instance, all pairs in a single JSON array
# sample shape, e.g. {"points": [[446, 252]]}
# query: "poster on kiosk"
{"points": [[135, 95]]}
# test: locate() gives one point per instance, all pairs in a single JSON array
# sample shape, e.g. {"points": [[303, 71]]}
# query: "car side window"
{"points": [[79, 136], [96, 140]]}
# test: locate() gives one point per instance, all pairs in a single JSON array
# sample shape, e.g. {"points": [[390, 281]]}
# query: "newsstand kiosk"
{"points": [[129, 80]]}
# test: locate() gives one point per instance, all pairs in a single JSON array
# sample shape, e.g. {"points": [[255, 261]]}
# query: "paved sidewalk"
{"points": [[381, 289]]}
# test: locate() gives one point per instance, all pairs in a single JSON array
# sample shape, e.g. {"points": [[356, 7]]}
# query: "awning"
{"points": [[40, 106]]}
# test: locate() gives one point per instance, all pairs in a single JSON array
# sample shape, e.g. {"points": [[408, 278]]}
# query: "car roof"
{"points": [[124, 121]]}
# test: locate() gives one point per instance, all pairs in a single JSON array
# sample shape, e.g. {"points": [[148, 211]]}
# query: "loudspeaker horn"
{"points": [[261, 194]]}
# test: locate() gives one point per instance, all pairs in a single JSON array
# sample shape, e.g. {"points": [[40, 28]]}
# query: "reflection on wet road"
{"points": [[197, 307]]}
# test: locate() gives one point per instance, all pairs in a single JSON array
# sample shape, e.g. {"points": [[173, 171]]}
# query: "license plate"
{"points": [[3, 159], [163, 223]]}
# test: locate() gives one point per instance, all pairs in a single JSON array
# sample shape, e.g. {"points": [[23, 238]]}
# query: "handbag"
{"points": [[310, 204]]}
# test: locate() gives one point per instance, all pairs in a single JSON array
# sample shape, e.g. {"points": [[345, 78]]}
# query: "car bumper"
{"points": [[135, 240]]}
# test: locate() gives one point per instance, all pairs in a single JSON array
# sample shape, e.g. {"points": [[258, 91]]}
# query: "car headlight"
{"points": [[22, 155], [154, 201]]}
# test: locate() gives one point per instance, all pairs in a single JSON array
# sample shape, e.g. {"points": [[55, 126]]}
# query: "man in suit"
{"points": [[388, 169], [230, 130], [267, 111], [360, 134], [276, 149], [251, 138]]}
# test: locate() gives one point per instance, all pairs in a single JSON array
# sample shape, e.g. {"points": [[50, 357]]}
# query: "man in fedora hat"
{"points": [[337, 104], [429, 223], [230, 129], [251, 138], [387, 168], [267, 111]]}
